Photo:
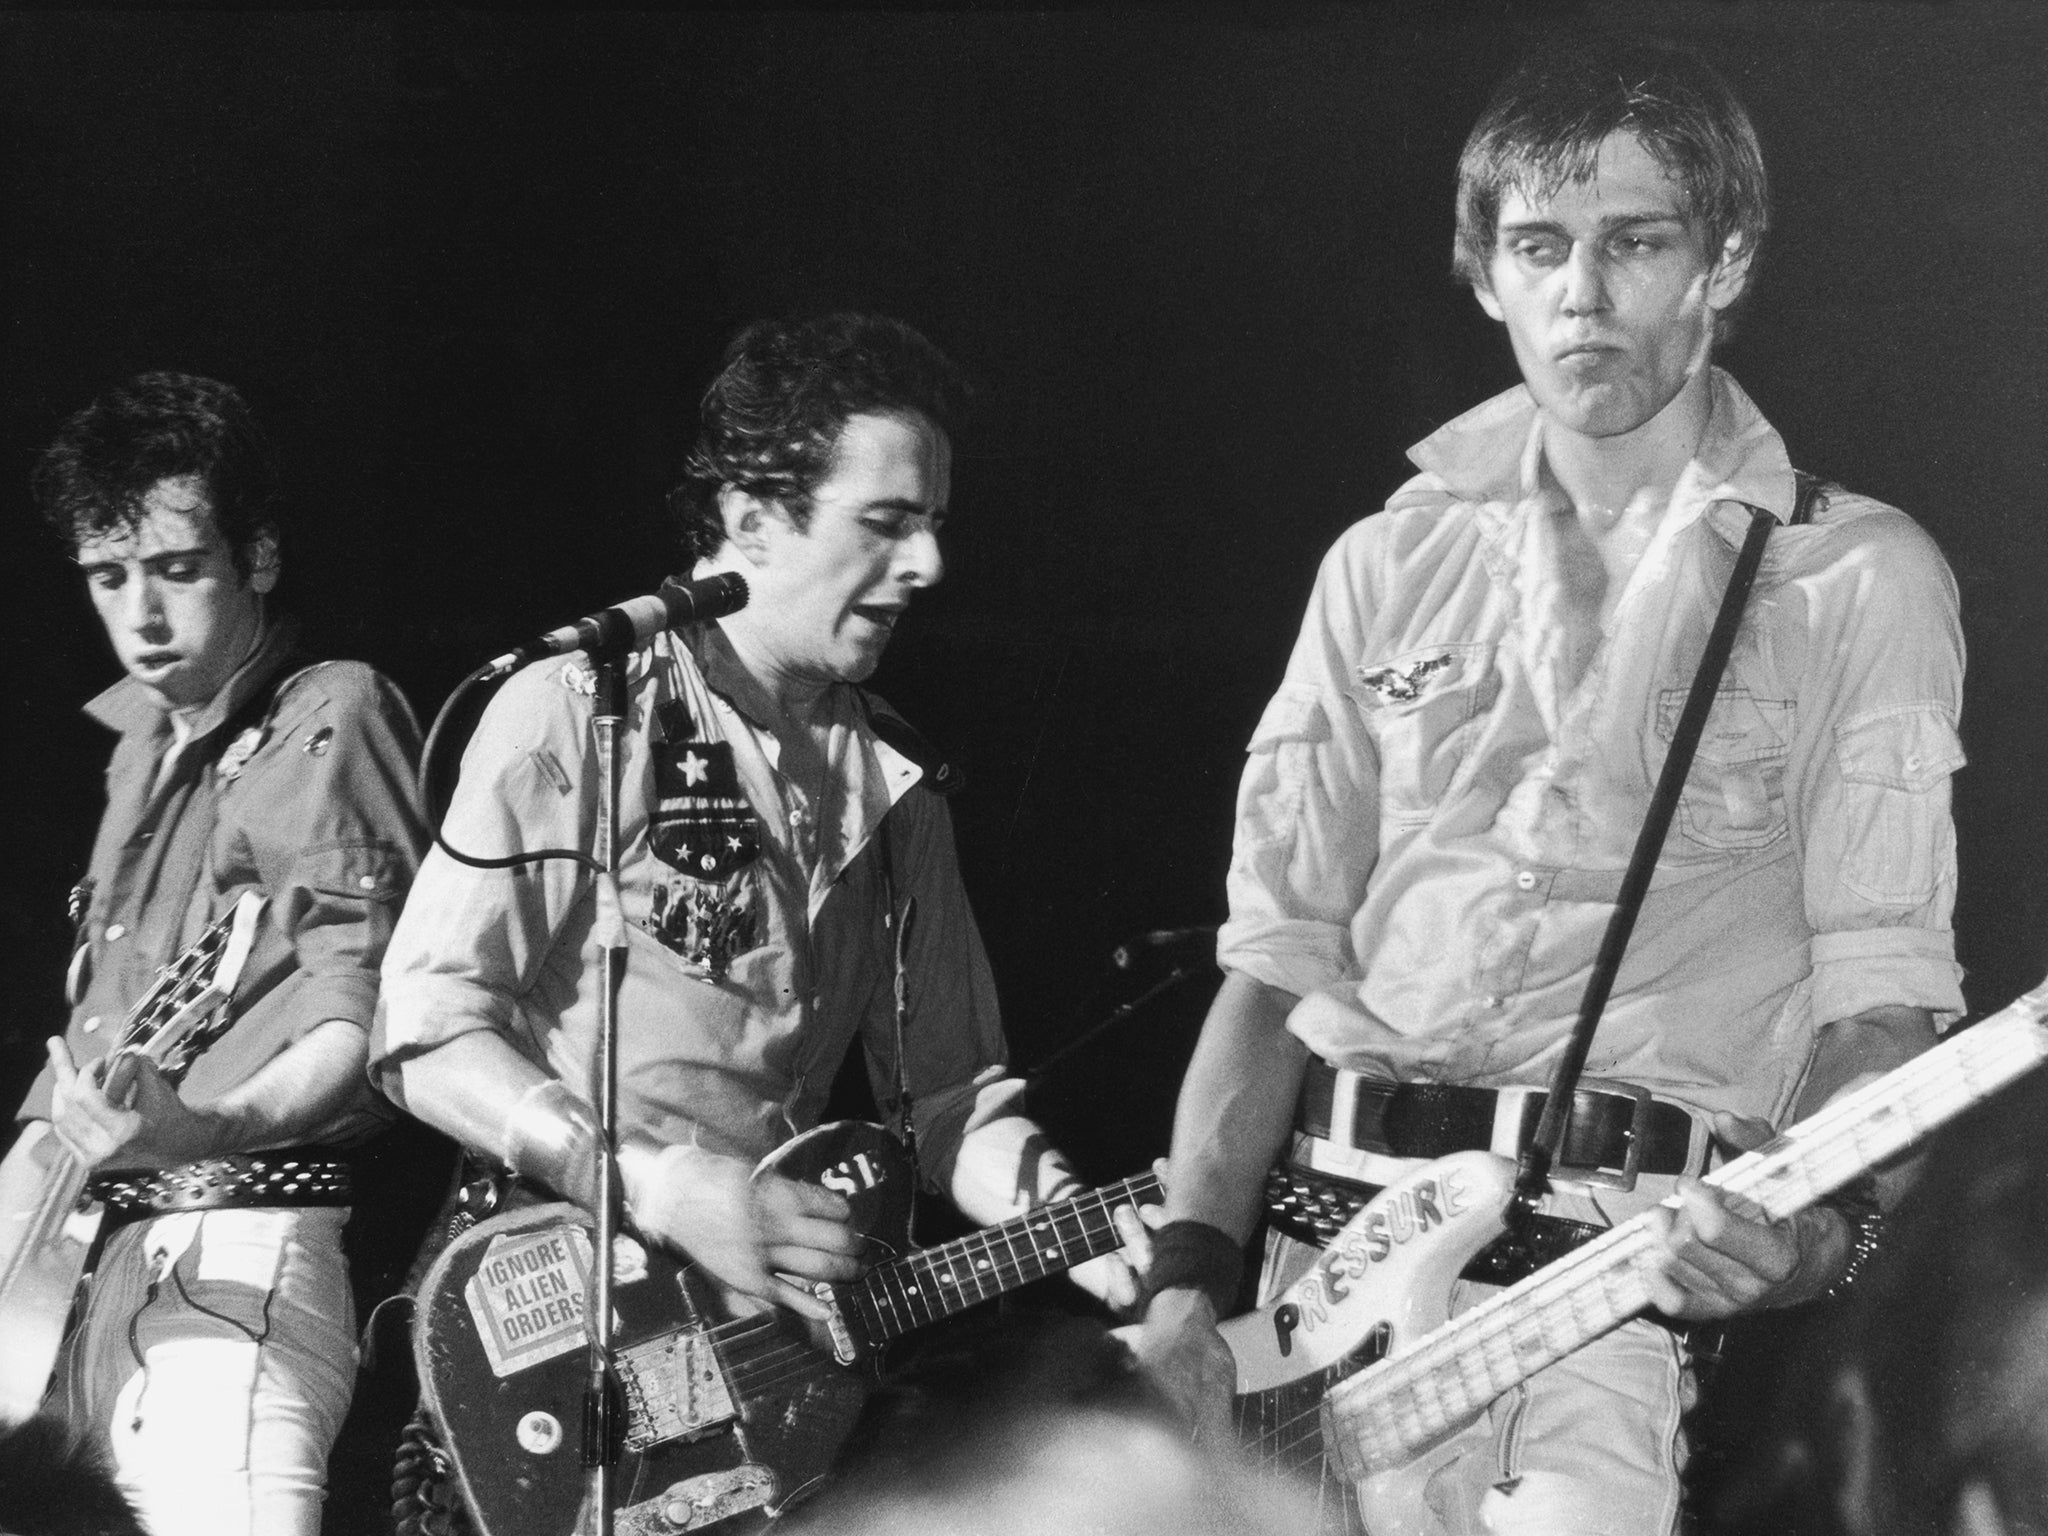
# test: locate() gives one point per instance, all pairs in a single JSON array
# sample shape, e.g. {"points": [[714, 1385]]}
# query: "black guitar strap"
{"points": [[896, 925], [1537, 1159]]}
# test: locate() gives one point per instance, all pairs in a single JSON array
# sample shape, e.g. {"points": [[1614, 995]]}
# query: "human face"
{"points": [[1607, 293], [180, 615], [827, 595]]}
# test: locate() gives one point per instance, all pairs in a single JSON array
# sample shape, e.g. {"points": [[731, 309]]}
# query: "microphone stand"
{"points": [[602, 1431], [1116, 1016]]}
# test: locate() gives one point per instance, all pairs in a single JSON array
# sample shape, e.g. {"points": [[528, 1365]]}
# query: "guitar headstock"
{"points": [[185, 1012]]}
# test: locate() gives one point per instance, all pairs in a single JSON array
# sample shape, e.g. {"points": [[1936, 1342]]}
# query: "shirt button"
{"points": [[115, 930], [91, 1024], [368, 882], [1526, 880]]}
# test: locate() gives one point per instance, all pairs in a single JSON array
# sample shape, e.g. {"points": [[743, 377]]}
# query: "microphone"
{"points": [[1126, 954], [619, 628]]}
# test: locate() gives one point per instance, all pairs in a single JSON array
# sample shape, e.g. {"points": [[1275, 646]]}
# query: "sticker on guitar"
{"points": [[526, 1297]]}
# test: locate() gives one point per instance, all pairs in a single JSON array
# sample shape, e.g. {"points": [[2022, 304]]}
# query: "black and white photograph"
{"points": [[968, 768]]}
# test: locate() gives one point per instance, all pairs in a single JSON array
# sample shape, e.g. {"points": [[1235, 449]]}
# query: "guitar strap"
{"points": [[896, 924], [1537, 1159], [254, 714]]}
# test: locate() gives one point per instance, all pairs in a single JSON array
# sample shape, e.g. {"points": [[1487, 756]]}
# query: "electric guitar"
{"points": [[722, 1415], [44, 1241], [1360, 1361]]}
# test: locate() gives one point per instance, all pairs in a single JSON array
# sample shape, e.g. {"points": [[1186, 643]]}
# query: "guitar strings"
{"points": [[799, 1357], [1833, 1142]]}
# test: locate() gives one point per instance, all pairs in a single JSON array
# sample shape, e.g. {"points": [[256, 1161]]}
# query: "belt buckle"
{"points": [[1623, 1179]]}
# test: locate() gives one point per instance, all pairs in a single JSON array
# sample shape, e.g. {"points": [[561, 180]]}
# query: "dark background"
{"points": [[475, 267]]}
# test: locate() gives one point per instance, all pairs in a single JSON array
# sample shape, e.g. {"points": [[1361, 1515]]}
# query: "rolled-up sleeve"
{"points": [[1307, 805], [330, 824], [1879, 747], [473, 941]]}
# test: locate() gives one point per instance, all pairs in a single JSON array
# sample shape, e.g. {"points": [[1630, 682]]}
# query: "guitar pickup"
{"points": [[675, 1389]]}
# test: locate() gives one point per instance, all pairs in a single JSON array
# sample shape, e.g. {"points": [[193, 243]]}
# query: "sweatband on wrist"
{"points": [[1857, 1204], [551, 1137], [1197, 1256]]}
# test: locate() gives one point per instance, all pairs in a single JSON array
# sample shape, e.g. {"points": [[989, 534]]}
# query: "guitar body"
{"points": [[44, 1241], [46, 1229], [727, 1418], [1382, 1284], [1387, 1276]]}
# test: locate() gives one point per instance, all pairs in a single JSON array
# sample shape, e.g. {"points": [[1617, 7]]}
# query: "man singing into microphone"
{"points": [[772, 815]]}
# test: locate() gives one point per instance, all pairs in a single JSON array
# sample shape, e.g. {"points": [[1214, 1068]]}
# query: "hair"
{"points": [[56, 1481], [771, 420], [93, 478], [1545, 124]]}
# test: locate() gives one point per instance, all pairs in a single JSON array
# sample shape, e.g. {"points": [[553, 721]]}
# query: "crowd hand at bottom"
{"points": [[767, 1236], [1178, 1350]]}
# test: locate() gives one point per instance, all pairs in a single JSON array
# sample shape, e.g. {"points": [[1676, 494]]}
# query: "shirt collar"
{"points": [[725, 675], [1493, 453], [127, 706]]}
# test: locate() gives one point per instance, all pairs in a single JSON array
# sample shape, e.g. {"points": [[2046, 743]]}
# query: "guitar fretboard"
{"points": [[1388, 1413], [920, 1288]]}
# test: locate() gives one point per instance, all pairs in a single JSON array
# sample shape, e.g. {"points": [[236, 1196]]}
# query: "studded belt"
{"points": [[288, 1176]]}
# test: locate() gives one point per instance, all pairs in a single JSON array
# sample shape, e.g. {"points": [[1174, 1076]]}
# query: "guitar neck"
{"points": [[934, 1283], [1401, 1405]]}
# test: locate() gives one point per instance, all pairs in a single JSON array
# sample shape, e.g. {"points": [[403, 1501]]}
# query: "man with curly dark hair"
{"points": [[213, 1357], [788, 871]]}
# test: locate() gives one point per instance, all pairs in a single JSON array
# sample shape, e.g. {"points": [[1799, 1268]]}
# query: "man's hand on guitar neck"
{"points": [[1117, 1280], [1721, 1255], [749, 1230], [125, 1115], [128, 1116]]}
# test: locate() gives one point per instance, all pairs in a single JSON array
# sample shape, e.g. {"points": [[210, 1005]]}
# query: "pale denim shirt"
{"points": [[1433, 823], [737, 1062]]}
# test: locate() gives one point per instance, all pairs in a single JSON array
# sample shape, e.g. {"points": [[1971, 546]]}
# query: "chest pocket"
{"points": [[1423, 708], [1735, 795]]}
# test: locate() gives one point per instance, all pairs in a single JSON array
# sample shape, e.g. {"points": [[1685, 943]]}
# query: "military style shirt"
{"points": [[753, 910], [295, 781]]}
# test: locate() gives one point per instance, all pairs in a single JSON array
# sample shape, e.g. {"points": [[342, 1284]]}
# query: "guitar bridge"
{"points": [[675, 1389]]}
